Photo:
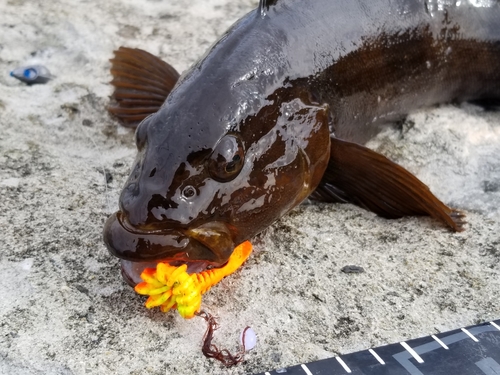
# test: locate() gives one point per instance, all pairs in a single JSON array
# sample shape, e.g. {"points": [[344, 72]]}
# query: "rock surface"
{"points": [[64, 307]]}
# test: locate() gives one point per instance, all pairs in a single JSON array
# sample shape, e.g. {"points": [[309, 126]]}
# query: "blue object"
{"points": [[32, 74]]}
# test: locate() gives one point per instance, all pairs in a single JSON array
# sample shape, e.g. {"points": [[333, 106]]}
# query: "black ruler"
{"points": [[465, 351]]}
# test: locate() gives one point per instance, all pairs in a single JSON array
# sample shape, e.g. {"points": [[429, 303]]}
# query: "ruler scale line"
{"points": [[469, 334], [343, 364], [377, 357], [412, 352], [306, 370], [440, 342]]}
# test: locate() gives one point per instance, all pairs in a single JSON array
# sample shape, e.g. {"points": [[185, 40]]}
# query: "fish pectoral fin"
{"points": [[142, 83], [368, 179]]}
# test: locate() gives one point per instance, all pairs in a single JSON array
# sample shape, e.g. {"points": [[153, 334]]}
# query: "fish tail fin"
{"points": [[364, 177], [142, 82]]}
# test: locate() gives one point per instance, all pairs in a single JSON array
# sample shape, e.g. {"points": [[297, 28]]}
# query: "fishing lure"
{"points": [[170, 287]]}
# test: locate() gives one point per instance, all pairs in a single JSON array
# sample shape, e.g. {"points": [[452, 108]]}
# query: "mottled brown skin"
{"points": [[279, 109]]}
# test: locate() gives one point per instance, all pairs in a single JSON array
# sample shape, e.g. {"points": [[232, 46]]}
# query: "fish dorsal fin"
{"points": [[142, 83], [265, 5]]}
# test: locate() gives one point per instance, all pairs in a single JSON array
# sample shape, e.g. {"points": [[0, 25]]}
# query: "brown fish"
{"points": [[278, 110]]}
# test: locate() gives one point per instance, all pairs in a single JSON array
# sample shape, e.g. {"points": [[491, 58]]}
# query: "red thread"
{"points": [[211, 350]]}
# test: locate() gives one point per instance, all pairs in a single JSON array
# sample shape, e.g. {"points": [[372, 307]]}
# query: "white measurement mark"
{"points": [[495, 325], [377, 357], [306, 370], [440, 342], [342, 363], [412, 352], [469, 334], [267, 373]]}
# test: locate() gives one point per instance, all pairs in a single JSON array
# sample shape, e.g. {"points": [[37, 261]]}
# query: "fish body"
{"points": [[278, 110]]}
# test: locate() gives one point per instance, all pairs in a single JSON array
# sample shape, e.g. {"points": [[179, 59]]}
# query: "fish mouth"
{"points": [[131, 271], [208, 245]]}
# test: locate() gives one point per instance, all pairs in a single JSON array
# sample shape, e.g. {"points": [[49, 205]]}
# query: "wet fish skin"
{"points": [[294, 89]]}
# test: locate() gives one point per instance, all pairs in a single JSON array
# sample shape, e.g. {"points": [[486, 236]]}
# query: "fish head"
{"points": [[202, 184]]}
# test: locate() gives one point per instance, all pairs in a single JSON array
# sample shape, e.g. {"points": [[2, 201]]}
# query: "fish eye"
{"points": [[188, 192], [227, 159]]}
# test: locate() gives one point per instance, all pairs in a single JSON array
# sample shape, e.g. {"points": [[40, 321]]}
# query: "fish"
{"points": [[279, 110]]}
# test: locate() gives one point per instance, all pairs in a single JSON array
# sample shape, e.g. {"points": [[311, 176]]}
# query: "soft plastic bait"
{"points": [[170, 287]]}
